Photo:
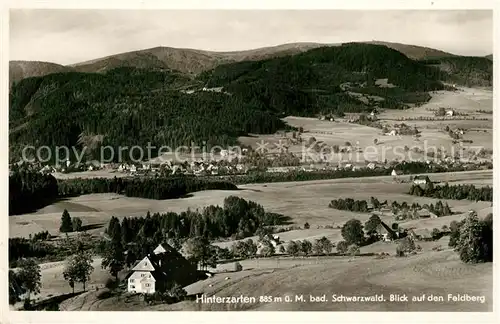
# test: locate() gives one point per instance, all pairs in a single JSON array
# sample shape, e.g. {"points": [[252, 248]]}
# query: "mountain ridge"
{"points": [[195, 61], [128, 106]]}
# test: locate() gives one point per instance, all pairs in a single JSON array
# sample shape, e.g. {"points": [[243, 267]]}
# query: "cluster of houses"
{"points": [[388, 234], [193, 168]]}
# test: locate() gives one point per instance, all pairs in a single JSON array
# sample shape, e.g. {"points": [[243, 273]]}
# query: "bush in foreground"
{"points": [[475, 243]]}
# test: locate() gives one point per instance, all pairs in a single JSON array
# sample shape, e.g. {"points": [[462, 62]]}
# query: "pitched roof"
{"points": [[383, 228], [144, 265], [159, 249], [138, 275]]}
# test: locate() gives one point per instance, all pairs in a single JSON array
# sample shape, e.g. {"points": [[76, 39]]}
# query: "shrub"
{"points": [[406, 245], [354, 250], [475, 243], [293, 248], [177, 292], [111, 283], [342, 247], [436, 234], [104, 294], [306, 226]]}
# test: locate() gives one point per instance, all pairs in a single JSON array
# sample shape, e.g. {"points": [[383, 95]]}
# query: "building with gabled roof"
{"points": [[159, 270], [385, 232], [142, 279]]}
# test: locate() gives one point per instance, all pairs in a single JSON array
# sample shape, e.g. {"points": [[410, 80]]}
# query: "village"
{"points": [[302, 150]]}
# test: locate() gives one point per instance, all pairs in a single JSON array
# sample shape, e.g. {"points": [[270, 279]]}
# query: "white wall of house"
{"points": [[141, 282]]}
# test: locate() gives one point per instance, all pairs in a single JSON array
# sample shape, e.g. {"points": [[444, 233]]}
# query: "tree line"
{"points": [[350, 204], [412, 167], [39, 247], [236, 218], [362, 206], [147, 187], [458, 192], [30, 190]]}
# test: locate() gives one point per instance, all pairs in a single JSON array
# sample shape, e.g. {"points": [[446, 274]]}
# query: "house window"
{"points": [[143, 274], [147, 285], [132, 287], [131, 280]]}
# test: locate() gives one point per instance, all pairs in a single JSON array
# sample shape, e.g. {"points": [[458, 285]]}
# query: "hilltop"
{"points": [[190, 61], [19, 70], [195, 61], [413, 51]]}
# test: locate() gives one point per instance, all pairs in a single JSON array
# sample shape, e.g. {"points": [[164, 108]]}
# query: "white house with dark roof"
{"points": [[142, 279], [156, 271]]}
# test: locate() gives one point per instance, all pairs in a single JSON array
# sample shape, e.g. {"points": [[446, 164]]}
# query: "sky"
{"points": [[72, 36]]}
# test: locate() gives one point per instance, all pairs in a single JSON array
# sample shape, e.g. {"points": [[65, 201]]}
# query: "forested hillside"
{"points": [[310, 82], [470, 71], [129, 106]]}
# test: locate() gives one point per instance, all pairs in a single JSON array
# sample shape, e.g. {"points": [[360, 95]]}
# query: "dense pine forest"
{"points": [[465, 70], [151, 188], [237, 218], [130, 106], [316, 76], [127, 107], [29, 190]]}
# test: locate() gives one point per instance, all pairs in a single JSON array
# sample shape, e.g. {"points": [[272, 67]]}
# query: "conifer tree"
{"points": [[66, 223]]}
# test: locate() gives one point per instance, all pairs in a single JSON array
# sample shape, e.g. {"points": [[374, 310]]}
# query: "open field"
{"points": [[466, 100], [305, 201], [415, 275]]}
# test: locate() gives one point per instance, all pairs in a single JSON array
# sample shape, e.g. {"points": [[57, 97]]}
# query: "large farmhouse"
{"points": [[159, 270], [386, 233]]}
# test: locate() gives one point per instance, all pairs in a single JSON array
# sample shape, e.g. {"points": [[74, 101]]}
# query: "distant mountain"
{"points": [[189, 61], [193, 61], [414, 52], [19, 70], [196, 61]]}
